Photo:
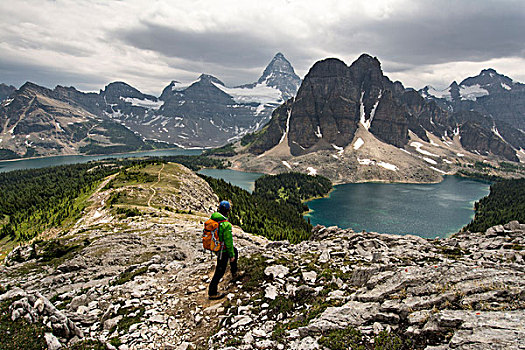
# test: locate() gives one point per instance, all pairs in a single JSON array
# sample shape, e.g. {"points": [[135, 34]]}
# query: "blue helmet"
{"points": [[224, 206]]}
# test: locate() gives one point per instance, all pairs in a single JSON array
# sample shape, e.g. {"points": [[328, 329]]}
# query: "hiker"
{"points": [[227, 251]]}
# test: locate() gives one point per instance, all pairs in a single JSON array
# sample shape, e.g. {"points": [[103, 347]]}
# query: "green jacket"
{"points": [[225, 232]]}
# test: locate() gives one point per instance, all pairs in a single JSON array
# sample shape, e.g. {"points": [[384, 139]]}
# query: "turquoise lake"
{"points": [[20, 164], [426, 210], [429, 210], [238, 178]]}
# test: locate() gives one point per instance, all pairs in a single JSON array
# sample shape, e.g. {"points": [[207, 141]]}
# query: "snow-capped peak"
{"points": [[280, 74]]}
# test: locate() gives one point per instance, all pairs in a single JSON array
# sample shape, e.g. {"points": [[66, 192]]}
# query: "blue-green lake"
{"points": [[33, 163], [426, 210], [238, 178]]}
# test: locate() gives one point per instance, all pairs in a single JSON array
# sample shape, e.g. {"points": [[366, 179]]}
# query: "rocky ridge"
{"points": [[488, 93], [343, 114], [35, 120], [140, 281]]}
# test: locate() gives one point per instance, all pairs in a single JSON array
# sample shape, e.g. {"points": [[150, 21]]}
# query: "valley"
{"points": [[130, 273]]}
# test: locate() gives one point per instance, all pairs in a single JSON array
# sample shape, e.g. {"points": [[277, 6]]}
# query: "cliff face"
{"points": [[357, 110], [142, 280]]}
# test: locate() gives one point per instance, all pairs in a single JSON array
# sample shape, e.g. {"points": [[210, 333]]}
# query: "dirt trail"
{"points": [[152, 186]]}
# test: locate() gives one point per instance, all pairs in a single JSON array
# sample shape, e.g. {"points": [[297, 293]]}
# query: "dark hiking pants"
{"points": [[222, 261]]}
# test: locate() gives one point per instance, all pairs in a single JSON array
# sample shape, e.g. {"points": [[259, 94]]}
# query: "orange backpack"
{"points": [[210, 235]]}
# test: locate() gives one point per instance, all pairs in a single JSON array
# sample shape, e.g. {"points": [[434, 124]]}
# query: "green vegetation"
{"points": [[506, 202], [351, 338], [342, 339], [8, 154], [131, 315], [248, 138], [127, 212], [14, 334], [253, 268], [292, 188], [89, 344], [274, 210], [196, 162], [479, 176], [224, 151], [34, 200], [128, 275]]}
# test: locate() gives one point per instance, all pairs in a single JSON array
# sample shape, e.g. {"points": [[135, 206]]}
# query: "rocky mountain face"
{"points": [[208, 113], [280, 74], [39, 121], [489, 93], [204, 114], [140, 282], [346, 112], [335, 100], [6, 91]]}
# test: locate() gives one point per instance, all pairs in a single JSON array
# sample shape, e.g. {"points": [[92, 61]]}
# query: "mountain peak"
{"points": [[278, 65], [280, 74], [207, 78]]}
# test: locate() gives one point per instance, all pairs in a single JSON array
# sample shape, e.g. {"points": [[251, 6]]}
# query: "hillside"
{"points": [[130, 273]]}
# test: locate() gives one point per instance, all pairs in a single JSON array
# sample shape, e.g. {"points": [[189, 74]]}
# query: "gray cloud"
{"points": [[442, 32], [419, 41], [233, 49], [17, 73]]}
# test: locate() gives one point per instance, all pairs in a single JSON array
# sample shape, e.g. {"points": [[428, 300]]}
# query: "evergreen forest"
{"points": [[274, 210], [506, 202], [292, 188], [34, 200]]}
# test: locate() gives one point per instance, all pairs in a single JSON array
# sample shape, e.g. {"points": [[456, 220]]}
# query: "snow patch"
{"points": [[287, 126], [318, 133], [311, 171], [495, 131], [362, 120], [365, 161], [8, 102], [418, 145], [335, 156], [404, 150], [260, 93], [358, 143], [387, 166], [153, 120], [428, 160], [505, 86], [472, 92], [373, 112], [460, 154], [438, 170], [447, 161], [445, 93], [148, 104], [340, 150], [286, 164]]}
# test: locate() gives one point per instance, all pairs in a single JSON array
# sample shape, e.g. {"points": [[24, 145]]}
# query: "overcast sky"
{"points": [[147, 44]]}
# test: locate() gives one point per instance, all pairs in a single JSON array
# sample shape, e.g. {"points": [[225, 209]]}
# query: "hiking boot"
{"points": [[216, 296]]}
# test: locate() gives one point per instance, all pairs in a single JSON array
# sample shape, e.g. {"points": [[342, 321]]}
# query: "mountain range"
{"points": [[352, 123], [35, 120]]}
